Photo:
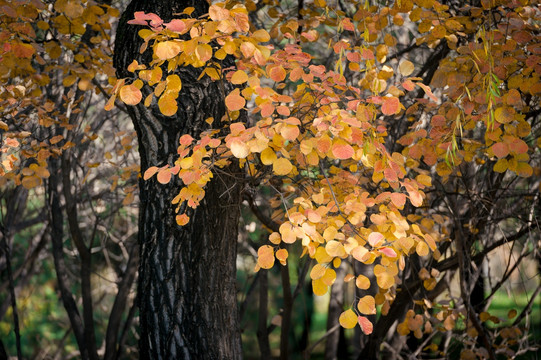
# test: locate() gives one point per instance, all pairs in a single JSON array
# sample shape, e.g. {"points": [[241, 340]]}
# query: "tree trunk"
{"points": [[187, 295]]}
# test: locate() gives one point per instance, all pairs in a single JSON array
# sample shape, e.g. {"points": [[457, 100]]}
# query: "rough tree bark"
{"points": [[187, 296]]}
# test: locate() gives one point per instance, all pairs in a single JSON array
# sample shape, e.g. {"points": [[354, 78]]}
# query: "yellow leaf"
{"points": [[168, 104], [422, 248], [524, 169], [501, 166], [424, 179], [268, 156], [329, 277], [317, 272], [130, 94], [203, 52], [173, 83], [261, 35], [384, 279], [239, 77], [167, 49], [319, 287], [30, 182], [335, 249], [430, 241], [282, 166], [406, 68], [504, 114], [362, 282], [367, 305], [348, 319]]}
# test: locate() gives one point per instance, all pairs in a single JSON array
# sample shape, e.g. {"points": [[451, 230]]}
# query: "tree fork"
{"points": [[186, 292]]}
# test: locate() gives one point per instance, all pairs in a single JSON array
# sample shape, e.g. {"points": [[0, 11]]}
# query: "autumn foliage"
{"points": [[399, 142]]}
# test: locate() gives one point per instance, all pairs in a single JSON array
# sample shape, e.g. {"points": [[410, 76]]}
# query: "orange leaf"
{"points": [[234, 101], [366, 325], [275, 238], [362, 282], [265, 256], [182, 219], [218, 13], [289, 132], [398, 199], [282, 255], [277, 73], [239, 77], [130, 94], [428, 91], [167, 49], [164, 175], [288, 235], [367, 305], [391, 106], [168, 104], [501, 150], [261, 35], [150, 172], [203, 52], [341, 150]]}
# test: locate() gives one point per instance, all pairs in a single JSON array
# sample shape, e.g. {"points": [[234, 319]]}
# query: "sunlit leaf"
{"points": [[234, 101], [391, 106], [265, 257], [367, 305], [164, 175], [366, 325], [167, 49], [239, 149], [282, 166], [130, 94], [168, 104], [348, 319]]}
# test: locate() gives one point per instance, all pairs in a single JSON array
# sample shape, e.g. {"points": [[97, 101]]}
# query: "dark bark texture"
{"points": [[187, 295]]}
